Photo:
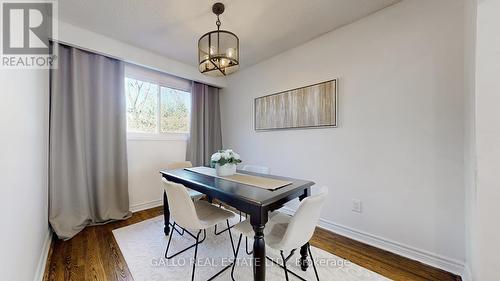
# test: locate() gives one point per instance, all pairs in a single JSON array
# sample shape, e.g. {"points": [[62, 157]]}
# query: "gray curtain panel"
{"points": [[88, 181], [205, 136]]}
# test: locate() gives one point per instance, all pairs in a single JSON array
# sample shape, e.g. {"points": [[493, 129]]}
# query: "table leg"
{"points": [[259, 253], [166, 214], [304, 263]]}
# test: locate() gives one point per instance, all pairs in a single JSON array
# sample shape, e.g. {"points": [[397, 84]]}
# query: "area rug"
{"points": [[143, 246]]}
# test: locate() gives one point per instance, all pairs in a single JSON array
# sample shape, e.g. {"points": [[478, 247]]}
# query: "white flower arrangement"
{"points": [[223, 157]]}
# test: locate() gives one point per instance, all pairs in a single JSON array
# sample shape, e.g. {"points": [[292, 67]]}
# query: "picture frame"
{"points": [[307, 107]]}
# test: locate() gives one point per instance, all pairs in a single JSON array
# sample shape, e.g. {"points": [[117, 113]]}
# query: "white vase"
{"points": [[225, 170]]}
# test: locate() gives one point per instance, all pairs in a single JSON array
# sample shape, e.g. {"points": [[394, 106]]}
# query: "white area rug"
{"points": [[143, 246]]}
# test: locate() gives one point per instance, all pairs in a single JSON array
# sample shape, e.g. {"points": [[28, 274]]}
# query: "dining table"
{"points": [[254, 201]]}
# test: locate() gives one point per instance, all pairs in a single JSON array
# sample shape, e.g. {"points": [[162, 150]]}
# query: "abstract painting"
{"points": [[313, 106]]}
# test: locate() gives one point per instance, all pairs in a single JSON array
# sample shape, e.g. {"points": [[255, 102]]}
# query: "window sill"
{"points": [[157, 137]]}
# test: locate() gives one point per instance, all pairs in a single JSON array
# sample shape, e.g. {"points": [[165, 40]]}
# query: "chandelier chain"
{"points": [[218, 23]]}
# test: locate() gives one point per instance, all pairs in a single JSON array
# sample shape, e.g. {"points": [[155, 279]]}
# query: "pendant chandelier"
{"points": [[218, 50]]}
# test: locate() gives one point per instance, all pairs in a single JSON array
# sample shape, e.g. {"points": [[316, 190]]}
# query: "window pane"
{"points": [[142, 98], [175, 111]]}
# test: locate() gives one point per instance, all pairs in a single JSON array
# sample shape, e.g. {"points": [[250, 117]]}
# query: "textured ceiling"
{"points": [[172, 28]]}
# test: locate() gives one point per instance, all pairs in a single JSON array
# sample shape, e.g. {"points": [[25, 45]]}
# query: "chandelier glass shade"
{"points": [[218, 50]]}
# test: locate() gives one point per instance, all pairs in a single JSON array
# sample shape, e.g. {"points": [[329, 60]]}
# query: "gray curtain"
{"points": [[205, 136], [88, 150]]}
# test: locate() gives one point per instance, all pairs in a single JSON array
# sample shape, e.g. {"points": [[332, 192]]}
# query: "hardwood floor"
{"points": [[94, 255], [385, 263]]}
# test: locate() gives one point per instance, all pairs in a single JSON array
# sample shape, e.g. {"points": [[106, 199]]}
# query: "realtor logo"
{"points": [[27, 28]]}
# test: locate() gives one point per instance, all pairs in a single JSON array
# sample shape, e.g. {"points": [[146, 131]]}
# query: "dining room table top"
{"points": [[220, 187]]}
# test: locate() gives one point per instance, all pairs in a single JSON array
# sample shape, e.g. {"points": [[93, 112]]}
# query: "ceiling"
{"points": [[172, 27]]}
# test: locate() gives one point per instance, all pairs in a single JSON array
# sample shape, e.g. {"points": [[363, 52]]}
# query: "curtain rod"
{"points": [[89, 50]]}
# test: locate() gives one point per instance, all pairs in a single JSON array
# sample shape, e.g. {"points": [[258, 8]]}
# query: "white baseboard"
{"points": [[42, 261], [432, 259], [467, 275], [146, 205]]}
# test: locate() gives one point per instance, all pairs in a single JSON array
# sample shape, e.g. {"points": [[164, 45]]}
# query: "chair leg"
{"points": [[195, 255], [176, 230], [182, 251], [246, 247], [230, 237], [226, 229], [289, 271], [169, 240], [236, 257], [235, 253], [219, 233], [246, 241], [284, 265], [312, 260], [215, 230]]}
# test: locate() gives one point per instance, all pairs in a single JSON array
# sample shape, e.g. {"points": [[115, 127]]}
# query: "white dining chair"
{"points": [[288, 233], [256, 169], [195, 215], [195, 195]]}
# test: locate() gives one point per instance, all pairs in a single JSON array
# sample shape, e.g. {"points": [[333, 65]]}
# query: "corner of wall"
{"points": [[42, 261], [467, 274]]}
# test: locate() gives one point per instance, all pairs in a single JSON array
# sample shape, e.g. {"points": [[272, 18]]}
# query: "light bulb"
{"points": [[231, 52]]}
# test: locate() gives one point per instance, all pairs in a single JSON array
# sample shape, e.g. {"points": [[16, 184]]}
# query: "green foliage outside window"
{"points": [[142, 100], [175, 109], [141, 105]]}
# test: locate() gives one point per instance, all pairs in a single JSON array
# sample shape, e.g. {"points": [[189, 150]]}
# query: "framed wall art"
{"points": [[313, 106]]}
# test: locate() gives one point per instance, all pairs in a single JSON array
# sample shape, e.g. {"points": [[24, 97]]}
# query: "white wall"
{"points": [[486, 225], [469, 140], [146, 158], [399, 146], [23, 173]]}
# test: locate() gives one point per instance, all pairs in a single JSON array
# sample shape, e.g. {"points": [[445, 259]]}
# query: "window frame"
{"points": [[157, 135]]}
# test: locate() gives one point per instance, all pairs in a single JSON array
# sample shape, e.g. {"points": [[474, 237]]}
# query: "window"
{"points": [[175, 110], [157, 106], [142, 106]]}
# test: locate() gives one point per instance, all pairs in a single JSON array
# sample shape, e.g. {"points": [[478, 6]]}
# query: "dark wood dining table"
{"points": [[255, 201]]}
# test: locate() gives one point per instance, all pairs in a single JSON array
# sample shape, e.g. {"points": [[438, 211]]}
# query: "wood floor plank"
{"points": [[92, 260], [94, 255], [112, 258], [54, 270]]}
